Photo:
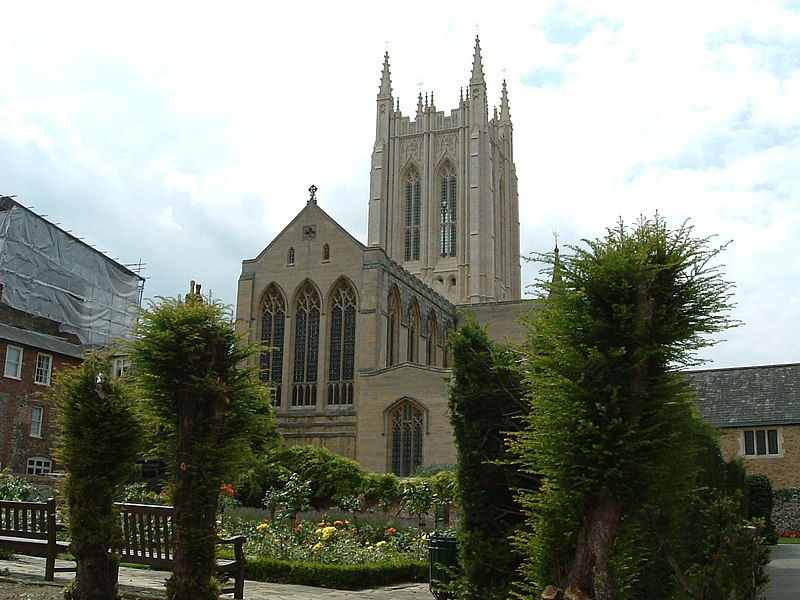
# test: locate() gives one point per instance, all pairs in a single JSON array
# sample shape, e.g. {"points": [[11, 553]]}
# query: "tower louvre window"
{"points": [[306, 347], [447, 198], [273, 321], [412, 215], [341, 368]]}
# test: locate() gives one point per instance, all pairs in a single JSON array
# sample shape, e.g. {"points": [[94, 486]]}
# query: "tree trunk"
{"points": [[194, 517], [95, 577], [589, 569]]}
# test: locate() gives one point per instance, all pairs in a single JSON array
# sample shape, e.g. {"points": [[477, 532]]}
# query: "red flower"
{"points": [[391, 531], [226, 489]]}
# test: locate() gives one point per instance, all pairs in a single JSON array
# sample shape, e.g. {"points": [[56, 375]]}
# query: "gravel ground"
{"points": [[29, 591]]}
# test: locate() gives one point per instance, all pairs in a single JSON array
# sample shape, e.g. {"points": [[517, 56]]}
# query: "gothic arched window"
{"points": [[448, 330], [406, 420], [412, 347], [430, 346], [392, 327], [447, 201], [412, 214], [326, 253], [290, 256], [306, 347], [273, 320], [342, 345]]}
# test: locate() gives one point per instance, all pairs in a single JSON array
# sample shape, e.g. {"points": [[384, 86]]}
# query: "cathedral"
{"points": [[356, 336]]}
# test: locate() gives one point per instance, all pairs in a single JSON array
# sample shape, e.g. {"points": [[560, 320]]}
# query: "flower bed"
{"points": [[330, 542], [333, 554]]}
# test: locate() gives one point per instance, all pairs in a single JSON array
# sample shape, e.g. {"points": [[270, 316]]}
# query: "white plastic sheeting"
{"points": [[47, 272]]}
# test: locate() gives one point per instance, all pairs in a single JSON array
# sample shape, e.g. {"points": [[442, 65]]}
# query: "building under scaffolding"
{"points": [[58, 298], [49, 273]]}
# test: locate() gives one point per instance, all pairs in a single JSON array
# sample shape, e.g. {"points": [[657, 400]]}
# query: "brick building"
{"points": [[58, 297], [757, 411]]}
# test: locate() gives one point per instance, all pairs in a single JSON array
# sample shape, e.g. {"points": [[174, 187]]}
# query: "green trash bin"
{"points": [[443, 556]]}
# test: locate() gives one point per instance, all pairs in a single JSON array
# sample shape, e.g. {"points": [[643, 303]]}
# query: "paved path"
{"points": [[784, 572], [145, 584]]}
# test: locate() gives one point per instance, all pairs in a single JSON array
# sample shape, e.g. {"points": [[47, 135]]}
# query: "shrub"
{"points": [[330, 475], [336, 576], [760, 501], [382, 490], [13, 487]]}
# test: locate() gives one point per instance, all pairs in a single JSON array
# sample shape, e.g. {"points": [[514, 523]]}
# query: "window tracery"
{"points": [[273, 322], [342, 345], [306, 347], [406, 420], [412, 215], [447, 201]]}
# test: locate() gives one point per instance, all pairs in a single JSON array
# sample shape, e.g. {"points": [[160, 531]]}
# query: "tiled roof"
{"points": [[748, 396], [40, 340]]}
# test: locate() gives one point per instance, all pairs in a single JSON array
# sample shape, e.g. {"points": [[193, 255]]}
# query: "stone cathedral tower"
{"points": [[443, 193]]}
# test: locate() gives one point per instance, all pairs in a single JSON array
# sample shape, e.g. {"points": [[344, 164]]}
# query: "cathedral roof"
{"points": [[311, 206]]}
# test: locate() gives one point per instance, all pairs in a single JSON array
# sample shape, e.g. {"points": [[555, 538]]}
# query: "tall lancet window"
{"points": [[406, 420], [412, 216], [447, 198], [392, 328], [343, 344], [273, 320], [430, 346], [412, 348], [306, 347]]}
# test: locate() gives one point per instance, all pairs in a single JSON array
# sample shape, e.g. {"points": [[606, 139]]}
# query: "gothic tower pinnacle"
{"points": [[443, 192]]}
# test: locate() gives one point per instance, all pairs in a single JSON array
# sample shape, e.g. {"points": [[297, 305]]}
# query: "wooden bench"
{"points": [[31, 527], [147, 538]]}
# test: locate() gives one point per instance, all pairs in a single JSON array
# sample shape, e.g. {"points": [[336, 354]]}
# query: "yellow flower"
{"points": [[316, 547], [261, 527], [380, 544], [327, 532]]}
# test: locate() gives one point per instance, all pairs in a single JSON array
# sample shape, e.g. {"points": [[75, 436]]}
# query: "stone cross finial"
{"points": [[313, 190]]}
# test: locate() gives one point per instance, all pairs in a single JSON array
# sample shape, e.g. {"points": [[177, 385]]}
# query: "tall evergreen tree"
{"points": [[207, 415], [485, 404], [607, 409], [97, 446]]}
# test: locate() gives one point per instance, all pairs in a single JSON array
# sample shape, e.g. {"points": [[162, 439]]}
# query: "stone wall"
{"points": [[786, 510], [783, 470]]}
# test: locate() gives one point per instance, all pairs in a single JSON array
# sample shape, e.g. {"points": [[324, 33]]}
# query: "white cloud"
{"points": [[186, 134]]}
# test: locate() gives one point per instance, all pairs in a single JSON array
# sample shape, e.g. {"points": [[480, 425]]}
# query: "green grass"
{"points": [[785, 540]]}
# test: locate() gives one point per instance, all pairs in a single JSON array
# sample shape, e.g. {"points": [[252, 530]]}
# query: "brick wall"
{"points": [[17, 399], [783, 470]]}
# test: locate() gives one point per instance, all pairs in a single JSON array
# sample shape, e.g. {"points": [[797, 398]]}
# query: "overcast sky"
{"points": [[185, 134]]}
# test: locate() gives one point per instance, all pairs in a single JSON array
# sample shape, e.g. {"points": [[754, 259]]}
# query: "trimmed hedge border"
{"points": [[340, 577]]}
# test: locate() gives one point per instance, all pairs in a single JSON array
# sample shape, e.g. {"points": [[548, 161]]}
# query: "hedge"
{"points": [[342, 577]]}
